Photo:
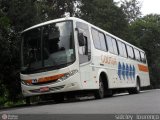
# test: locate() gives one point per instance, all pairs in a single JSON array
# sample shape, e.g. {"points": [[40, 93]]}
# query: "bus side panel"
{"points": [[87, 77], [143, 74], [105, 62]]}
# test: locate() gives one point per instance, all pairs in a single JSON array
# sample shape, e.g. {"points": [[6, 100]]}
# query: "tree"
{"points": [[145, 34], [52, 9], [104, 14], [131, 9]]}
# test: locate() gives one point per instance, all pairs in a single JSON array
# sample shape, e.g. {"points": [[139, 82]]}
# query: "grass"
{"points": [[4, 103], [12, 104]]}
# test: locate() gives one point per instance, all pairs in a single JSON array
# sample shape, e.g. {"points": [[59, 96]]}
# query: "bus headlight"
{"points": [[67, 75], [26, 82]]}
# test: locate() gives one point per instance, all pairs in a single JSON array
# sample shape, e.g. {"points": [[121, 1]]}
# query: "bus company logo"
{"points": [[126, 71], [108, 60], [4, 116], [34, 81]]}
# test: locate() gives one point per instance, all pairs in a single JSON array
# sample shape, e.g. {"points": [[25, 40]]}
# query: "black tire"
{"points": [[28, 100], [135, 90], [58, 98], [138, 87], [99, 94]]}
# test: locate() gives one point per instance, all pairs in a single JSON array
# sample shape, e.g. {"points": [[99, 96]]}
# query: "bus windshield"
{"points": [[48, 47]]}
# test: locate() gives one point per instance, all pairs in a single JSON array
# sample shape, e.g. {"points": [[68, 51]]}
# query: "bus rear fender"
{"points": [[137, 79]]}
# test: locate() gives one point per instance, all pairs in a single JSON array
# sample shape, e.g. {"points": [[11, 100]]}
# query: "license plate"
{"points": [[44, 89]]}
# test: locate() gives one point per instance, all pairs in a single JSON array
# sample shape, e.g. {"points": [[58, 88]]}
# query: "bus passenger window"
{"points": [[95, 37], [137, 55], [114, 46], [143, 57], [130, 52], [109, 43], [102, 41], [122, 49]]}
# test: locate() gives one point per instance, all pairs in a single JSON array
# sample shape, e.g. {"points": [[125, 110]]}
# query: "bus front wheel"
{"points": [[99, 94]]}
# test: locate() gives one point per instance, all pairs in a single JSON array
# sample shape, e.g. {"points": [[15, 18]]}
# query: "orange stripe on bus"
{"points": [[143, 68], [28, 81], [50, 78], [46, 79]]}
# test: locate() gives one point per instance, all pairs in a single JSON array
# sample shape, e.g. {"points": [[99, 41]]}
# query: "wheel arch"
{"points": [[138, 80], [103, 73]]}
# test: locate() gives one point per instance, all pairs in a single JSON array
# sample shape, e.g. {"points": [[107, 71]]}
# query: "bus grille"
{"points": [[50, 89]]}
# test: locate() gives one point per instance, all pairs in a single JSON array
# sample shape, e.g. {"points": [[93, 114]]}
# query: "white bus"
{"points": [[70, 55]]}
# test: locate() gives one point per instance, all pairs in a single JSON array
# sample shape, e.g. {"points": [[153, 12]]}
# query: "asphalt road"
{"points": [[145, 102]]}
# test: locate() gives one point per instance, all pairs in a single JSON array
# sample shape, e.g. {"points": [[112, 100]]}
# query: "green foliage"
{"points": [[12, 104], [146, 34], [3, 100], [48, 9], [106, 15], [4, 22], [131, 9]]}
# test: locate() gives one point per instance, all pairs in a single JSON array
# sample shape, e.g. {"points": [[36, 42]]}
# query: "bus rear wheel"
{"points": [[99, 94], [135, 90]]}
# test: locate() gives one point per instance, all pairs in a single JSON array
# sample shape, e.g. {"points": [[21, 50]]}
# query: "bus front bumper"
{"points": [[64, 86]]}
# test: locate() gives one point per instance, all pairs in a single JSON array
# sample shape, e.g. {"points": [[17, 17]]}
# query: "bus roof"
{"points": [[79, 20]]}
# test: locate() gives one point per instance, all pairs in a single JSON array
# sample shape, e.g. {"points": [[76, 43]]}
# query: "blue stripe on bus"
{"points": [[126, 71]]}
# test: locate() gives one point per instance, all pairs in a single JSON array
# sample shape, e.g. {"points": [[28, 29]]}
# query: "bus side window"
{"points": [[95, 36], [130, 52], [122, 49], [143, 57], [102, 41], [109, 43], [114, 46], [84, 51], [137, 54]]}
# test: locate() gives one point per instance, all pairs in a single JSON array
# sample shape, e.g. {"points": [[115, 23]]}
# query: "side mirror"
{"points": [[81, 39]]}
